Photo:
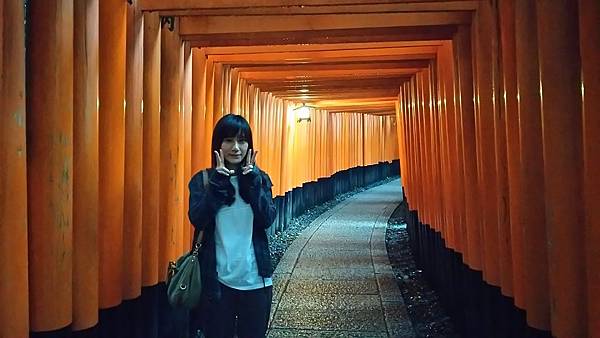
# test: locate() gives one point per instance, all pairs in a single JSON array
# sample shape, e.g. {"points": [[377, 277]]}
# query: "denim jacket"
{"points": [[255, 189]]}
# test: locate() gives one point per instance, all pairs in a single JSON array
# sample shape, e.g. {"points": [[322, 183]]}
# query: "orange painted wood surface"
{"points": [[13, 180], [132, 218], [169, 231], [514, 286], [112, 47], [85, 164], [535, 254], [50, 165], [151, 149], [589, 16], [473, 255], [560, 92], [200, 149], [186, 123], [486, 111], [455, 202], [458, 151]]}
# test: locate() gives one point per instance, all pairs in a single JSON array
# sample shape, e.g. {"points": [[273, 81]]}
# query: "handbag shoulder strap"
{"points": [[205, 182], [205, 178]]}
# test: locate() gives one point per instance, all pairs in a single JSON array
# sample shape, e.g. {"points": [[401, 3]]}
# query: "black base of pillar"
{"points": [[477, 308], [310, 194]]}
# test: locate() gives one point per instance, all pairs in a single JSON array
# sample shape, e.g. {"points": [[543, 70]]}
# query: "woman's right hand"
{"points": [[221, 169]]}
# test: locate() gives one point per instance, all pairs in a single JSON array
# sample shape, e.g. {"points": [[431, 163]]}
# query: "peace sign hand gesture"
{"points": [[250, 161], [221, 169]]}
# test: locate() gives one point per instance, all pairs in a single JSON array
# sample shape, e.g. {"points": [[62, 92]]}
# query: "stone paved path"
{"points": [[335, 280]]}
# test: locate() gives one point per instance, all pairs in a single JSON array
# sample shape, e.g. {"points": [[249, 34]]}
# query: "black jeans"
{"points": [[245, 313]]}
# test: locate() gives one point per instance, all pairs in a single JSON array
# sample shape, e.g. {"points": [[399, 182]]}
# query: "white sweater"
{"points": [[236, 261]]}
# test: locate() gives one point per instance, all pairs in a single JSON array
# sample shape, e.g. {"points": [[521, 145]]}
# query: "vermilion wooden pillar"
{"points": [[50, 163], [501, 206], [209, 119], [14, 314], [409, 186], [458, 150], [218, 93], [485, 98], [151, 148], [425, 148], [200, 150], [419, 167], [560, 91], [456, 195], [113, 25], [169, 152], [410, 152], [85, 165], [514, 286], [421, 159], [589, 17], [431, 100], [186, 123], [424, 77], [437, 153], [425, 209], [473, 256], [132, 225], [535, 260], [407, 174], [401, 138], [445, 171]]}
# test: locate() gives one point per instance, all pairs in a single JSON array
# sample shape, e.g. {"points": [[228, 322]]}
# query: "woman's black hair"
{"points": [[230, 125]]}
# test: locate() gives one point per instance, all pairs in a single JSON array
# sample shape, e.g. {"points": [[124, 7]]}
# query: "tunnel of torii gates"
{"points": [[107, 107]]}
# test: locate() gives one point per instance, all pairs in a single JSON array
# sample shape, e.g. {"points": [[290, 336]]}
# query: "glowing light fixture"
{"points": [[303, 112]]}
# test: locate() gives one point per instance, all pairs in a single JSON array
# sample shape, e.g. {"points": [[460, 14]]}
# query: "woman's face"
{"points": [[234, 149]]}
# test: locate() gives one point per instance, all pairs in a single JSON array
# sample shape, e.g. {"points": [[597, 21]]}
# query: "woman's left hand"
{"points": [[250, 162]]}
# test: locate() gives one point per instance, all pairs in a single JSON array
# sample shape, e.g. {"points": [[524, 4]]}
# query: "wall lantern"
{"points": [[303, 113]]}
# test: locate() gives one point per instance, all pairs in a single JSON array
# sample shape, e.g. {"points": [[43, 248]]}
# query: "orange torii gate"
{"points": [[107, 108]]}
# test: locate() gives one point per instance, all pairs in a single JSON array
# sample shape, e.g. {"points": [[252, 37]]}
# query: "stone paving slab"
{"points": [[330, 301], [336, 319], [338, 259], [285, 333], [328, 273], [311, 286], [335, 280]]}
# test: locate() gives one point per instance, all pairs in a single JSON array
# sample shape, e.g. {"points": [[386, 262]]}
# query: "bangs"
{"points": [[232, 127]]}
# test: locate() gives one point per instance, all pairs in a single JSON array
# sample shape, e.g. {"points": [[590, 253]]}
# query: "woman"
{"points": [[234, 210]]}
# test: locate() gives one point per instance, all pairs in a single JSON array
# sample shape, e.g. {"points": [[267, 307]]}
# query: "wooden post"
{"points": [[535, 260], [485, 99], [200, 149], [186, 124], [458, 151], [113, 26], [560, 91], [132, 226], [151, 148], [209, 114], [514, 287], [445, 170], [589, 16], [456, 192], [473, 256], [169, 152], [85, 165], [14, 314], [50, 164]]}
